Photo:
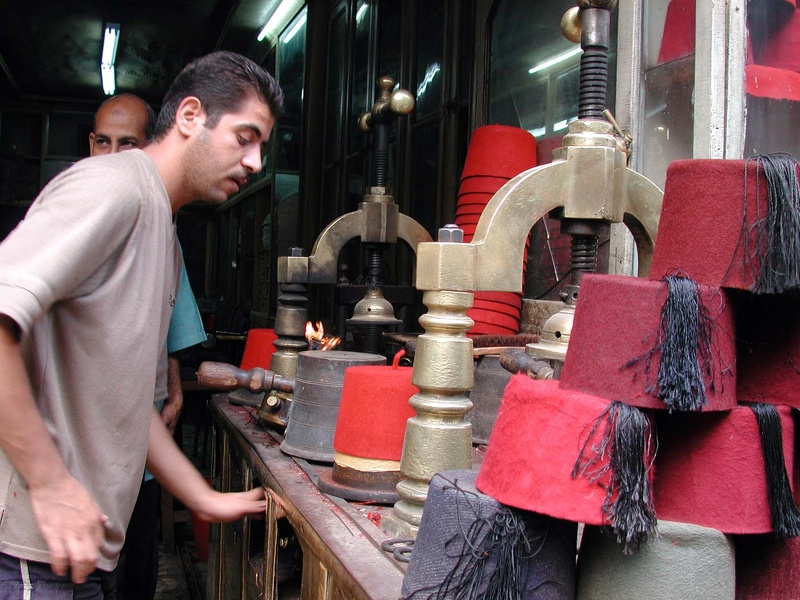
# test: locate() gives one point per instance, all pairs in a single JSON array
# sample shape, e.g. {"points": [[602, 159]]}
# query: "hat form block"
{"points": [[684, 561], [454, 510]]}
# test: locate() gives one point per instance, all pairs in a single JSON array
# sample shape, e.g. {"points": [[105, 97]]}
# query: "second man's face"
{"points": [[118, 129]]}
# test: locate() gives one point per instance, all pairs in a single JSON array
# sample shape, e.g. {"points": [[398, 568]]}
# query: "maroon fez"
{"points": [[731, 223], [718, 470], [628, 344], [768, 333]]}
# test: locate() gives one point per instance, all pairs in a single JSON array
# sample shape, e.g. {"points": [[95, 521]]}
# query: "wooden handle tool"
{"points": [[226, 377]]}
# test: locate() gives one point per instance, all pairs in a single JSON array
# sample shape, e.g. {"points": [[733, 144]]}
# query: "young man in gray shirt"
{"points": [[87, 284]]}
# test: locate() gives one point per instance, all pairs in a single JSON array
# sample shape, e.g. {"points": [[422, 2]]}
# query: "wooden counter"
{"points": [[310, 545]]}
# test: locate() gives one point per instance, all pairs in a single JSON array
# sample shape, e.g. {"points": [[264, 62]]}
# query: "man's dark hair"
{"points": [[151, 114], [222, 81]]}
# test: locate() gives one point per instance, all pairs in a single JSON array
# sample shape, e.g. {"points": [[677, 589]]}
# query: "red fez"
{"points": [[258, 348]]}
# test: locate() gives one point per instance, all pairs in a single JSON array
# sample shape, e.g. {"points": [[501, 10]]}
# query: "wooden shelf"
{"points": [[340, 541]]}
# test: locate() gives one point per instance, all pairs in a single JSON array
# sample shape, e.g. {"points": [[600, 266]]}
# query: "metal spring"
{"points": [[593, 83], [583, 253]]}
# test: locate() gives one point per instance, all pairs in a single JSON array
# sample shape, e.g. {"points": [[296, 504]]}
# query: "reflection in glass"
{"points": [[534, 68], [336, 66], [773, 78], [291, 73], [425, 153], [668, 127], [360, 101], [430, 32]]}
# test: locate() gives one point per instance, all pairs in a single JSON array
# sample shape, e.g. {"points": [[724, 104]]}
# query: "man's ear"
{"points": [[190, 115]]}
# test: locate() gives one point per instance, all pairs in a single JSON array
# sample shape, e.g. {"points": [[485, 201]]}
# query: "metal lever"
{"points": [[390, 104], [226, 377]]}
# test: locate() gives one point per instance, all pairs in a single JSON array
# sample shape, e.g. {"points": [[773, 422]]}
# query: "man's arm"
{"points": [[171, 411], [69, 520], [179, 476]]}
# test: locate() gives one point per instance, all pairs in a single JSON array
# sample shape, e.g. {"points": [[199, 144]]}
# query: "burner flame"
{"points": [[317, 340]]}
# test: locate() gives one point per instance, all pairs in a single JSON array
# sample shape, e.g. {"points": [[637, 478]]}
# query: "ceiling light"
{"points": [[280, 18], [297, 27], [109, 56], [555, 60]]}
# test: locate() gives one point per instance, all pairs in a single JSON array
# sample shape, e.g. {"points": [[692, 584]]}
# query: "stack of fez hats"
{"points": [[675, 405], [495, 155], [773, 62]]}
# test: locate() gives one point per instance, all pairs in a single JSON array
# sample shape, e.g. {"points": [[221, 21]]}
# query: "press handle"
{"points": [[227, 377], [518, 361]]}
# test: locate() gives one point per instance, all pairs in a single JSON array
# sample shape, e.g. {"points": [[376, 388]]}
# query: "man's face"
{"points": [[219, 160], [119, 125]]}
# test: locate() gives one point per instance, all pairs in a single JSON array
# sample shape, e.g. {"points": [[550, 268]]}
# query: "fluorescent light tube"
{"points": [[107, 74], [298, 26], [285, 11], [109, 56], [110, 42], [555, 60]]}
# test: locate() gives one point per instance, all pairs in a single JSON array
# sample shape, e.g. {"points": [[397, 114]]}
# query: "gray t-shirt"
{"points": [[90, 276]]}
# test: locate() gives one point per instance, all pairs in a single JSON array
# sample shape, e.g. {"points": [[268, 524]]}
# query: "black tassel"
{"points": [[621, 461], [778, 233], [684, 341], [490, 555], [784, 511]]}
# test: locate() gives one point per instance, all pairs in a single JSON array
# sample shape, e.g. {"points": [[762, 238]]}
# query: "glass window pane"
{"points": [[773, 78], [389, 47], [291, 73], [425, 175], [534, 69], [430, 32], [669, 31], [336, 67], [361, 76], [667, 132]]}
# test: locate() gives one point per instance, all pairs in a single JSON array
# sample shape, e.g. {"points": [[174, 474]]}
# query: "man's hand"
{"points": [[71, 524], [68, 519], [171, 411], [218, 507]]}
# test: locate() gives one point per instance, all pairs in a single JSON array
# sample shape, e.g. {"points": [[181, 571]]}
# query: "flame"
{"points": [[317, 340]]}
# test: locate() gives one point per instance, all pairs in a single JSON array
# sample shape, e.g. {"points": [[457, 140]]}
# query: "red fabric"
{"points": [[766, 568], [545, 147], [373, 412], [618, 319], [481, 328], [474, 198], [258, 348], [494, 317], [679, 31], [499, 307], [701, 222], [710, 470], [496, 153], [481, 185], [533, 447], [769, 82], [768, 329], [499, 151]]}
